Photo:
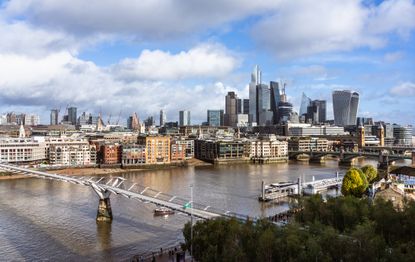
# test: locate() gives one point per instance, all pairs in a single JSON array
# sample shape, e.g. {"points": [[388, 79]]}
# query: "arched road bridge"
{"points": [[347, 157], [106, 185]]}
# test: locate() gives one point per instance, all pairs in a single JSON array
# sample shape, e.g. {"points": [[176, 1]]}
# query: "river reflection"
{"points": [[51, 220]]}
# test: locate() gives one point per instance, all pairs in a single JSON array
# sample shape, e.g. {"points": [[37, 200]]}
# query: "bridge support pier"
{"points": [[104, 213], [317, 160], [345, 162]]}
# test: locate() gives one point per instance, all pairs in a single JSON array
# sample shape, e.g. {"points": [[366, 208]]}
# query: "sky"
{"points": [[125, 56]]}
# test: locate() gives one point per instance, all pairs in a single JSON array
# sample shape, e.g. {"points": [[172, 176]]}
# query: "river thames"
{"points": [[51, 220]]}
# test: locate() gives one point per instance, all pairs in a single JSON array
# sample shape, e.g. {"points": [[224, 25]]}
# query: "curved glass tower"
{"points": [[345, 105]]}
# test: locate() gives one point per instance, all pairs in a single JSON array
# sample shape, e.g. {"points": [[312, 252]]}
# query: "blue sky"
{"points": [[143, 56]]}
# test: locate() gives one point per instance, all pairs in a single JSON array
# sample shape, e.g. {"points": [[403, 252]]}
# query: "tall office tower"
{"points": [[133, 123], [184, 118], [72, 115], [231, 109], [162, 117], [316, 112], [345, 105], [275, 99], [239, 106], [245, 106], [54, 116], [255, 80], [264, 113], [305, 102], [215, 117]]}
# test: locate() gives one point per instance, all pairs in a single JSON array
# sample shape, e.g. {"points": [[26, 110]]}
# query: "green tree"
{"points": [[354, 183], [370, 172]]}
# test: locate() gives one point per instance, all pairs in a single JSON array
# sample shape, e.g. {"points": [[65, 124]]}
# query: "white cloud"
{"points": [[405, 89], [60, 78], [307, 27], [145, 19], [393, 16], [207, 60], [393, 56]]}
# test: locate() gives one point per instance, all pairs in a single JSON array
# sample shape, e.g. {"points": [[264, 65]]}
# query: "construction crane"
{"points": [[109, 120], [119, 116]]}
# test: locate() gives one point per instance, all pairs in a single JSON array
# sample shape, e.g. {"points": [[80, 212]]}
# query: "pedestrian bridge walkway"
{"points": [[106, 185]]}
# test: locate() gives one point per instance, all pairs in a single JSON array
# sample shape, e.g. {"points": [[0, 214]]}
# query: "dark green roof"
{"points": [[404, 170]]}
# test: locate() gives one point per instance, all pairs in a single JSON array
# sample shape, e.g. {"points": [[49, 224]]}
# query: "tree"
{"points": [[354, 183], [370, 172]]}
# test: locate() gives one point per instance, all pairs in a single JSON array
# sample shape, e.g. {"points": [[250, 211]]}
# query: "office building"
{"points": [[22, 150], [242, 120], [31, 119], [305, 103], [402, 135], [72, 115], [245, 105], [255, 80], [264, 113], [163, 118], [316, 112], [275, 99], [345, 106], [184, 118], [215, 117], [133, 123], [284, 111], [54, 116], [231, 109]]}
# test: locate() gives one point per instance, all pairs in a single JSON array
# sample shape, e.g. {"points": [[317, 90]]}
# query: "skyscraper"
{"points": [[162, 117], [275, 99], [305, 102], [231, 109], [215, 117], [133, 123], [184, 118], [255, 80], [264, 114], [245, 106], [72, 115], [54, 116], [345, 105], [316, 111]]}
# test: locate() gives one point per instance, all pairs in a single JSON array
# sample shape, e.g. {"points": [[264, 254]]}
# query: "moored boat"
{"points": [[162, 211]]}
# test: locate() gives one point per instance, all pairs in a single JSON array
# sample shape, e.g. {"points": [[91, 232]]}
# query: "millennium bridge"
{"points": [[107, 185]]}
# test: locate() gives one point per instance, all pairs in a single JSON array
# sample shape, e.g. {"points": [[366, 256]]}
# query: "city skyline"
{"points": [[193, 63]]}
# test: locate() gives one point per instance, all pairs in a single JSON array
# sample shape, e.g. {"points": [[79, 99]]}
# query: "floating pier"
{"points": [[284, 189]]}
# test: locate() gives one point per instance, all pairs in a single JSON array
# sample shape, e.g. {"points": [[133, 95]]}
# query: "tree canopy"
{"points": [[370, 172], [354, 183], [338, 229]]}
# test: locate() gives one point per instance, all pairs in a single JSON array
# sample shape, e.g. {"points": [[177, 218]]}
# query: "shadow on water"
{"points": [[46, 245]]}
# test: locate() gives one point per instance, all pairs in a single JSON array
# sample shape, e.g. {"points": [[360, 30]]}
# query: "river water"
{"points": [[45, 220]]}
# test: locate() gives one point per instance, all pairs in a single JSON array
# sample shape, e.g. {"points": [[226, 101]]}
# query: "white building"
{"points": [[271, 149], [70, 152], [22, 150]]}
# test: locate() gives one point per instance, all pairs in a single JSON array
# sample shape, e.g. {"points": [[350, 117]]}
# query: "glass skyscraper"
{"points": [[345, 105], [215, 117], [255, 80], [184, 118], [305, 102]]}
